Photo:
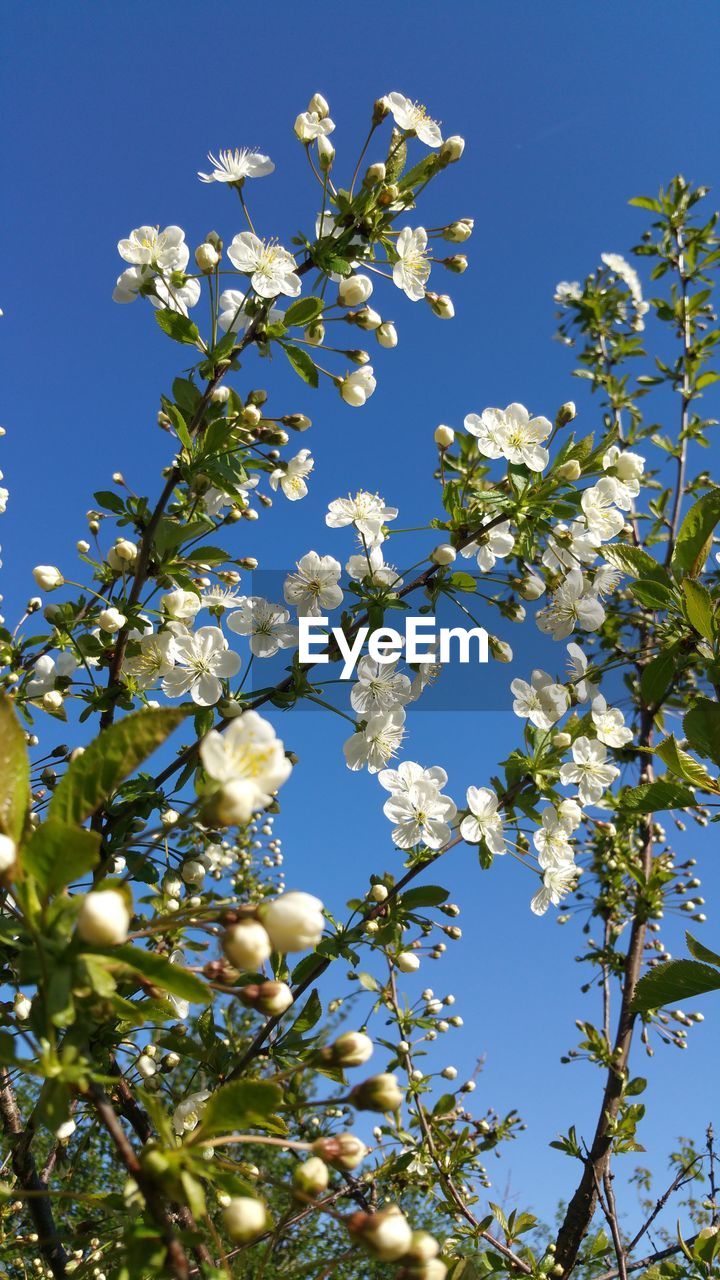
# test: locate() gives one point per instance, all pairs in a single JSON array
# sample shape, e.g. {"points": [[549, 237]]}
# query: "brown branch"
{"points": [[650, 1258], [176, 1257], [25, 1170]]}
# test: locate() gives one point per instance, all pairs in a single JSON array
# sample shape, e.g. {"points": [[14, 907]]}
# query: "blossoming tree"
{"points": [[179, 1093]]}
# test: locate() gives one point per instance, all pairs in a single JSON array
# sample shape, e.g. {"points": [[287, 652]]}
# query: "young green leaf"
{"points": [[179, 327], [303, 365], [675, 981], [158, 970], [14, 773], [59, 853], [695, 536], [702, 727], [242, 1104], [93, 777]]}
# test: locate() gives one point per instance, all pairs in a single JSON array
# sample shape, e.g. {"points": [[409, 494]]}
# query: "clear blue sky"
{"points": [[568, 109]]}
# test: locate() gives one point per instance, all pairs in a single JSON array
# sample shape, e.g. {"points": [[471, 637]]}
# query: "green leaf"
{"points": [[303, 365], [702, 728], [657, 677], [118, 750], [675, 981], [462, 581], [699, 607], [158, 970], [304, 311], [179, 424], [695, 535], [645, 202], [652, 796], [651, 593], [242, 1104], [425, 895], [179, 327], [14, 773], [701, 952], [310, 1014], [60, 853], [635, 561], [682, 764]]}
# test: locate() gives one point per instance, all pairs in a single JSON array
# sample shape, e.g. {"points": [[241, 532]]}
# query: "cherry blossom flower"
{"points": [[484, 821], [175, 297], [149, 246], [377, 742], [421, 816], [310, 125], [131, 283], [233, 317], [486, 427], [491, 546], [630, 278], [598, 504], [589, 770], [379, 687], [314, 587], [408, 774], [266, 624], [626, 466], [558, 880], [203, 660], [357, 386], [235, 166], [155, 659], [188, 1114], [551, 839], [412, 117], [366, 511], [291, 478], [222, 598], [412, 269], [571, 546], [578, 665], [567, 291], [46, 670], [610, 724], [371, 567], [520, 437], [574, 604], [249, 751], [542, 702], [271, 268]]}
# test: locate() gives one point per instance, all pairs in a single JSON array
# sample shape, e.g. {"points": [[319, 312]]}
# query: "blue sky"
{"points": [[568, 110]]}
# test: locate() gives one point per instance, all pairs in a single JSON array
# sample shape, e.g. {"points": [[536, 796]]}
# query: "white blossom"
{"points": [[203, 660], [377, 742], [494, 545], [267, 625], [412, 117], [357, 386], [155, 659], [542, 701], [366, 511], [370, 566], [484, 821], [235, 166], [379, 687], [310, 125], [313, 588], [46, 670], [291, 477], [249, 751], [598, 504], [589, 771], [412, 269], [572, 605], [558, 880], [610, 724], [271, 268], [421, 816], [149, 246], [188, 1114], [578, 665]]}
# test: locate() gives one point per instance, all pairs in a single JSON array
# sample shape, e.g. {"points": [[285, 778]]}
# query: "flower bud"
{"points": [[500, 649], [47, 577], [386, 1234], [244, 1219], [458, 263], [206, 257], [443, 554], [326, 153], [312, 1176], [377, 1093], [565, 413], [561, 740], [8, 854], [381, 109], [82, 547], [451, 149], [423, 1247], [458, 232], [294, 921], [22, 1006], [146, 1066], [122, 554], [220, 395], [234, 804], [104, 919], [180, 605], [386, 334], [444, 436], [570, 470], [366, 319], [351, 1049], [374, 174], [379, 893], [341, 1151], [441, 305], [52, 700], [246, 944], [270, 998], [297, 421], [111, 620], [352, 292], [408, 962], [531, 587], [319, 105], [315, 333]]}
